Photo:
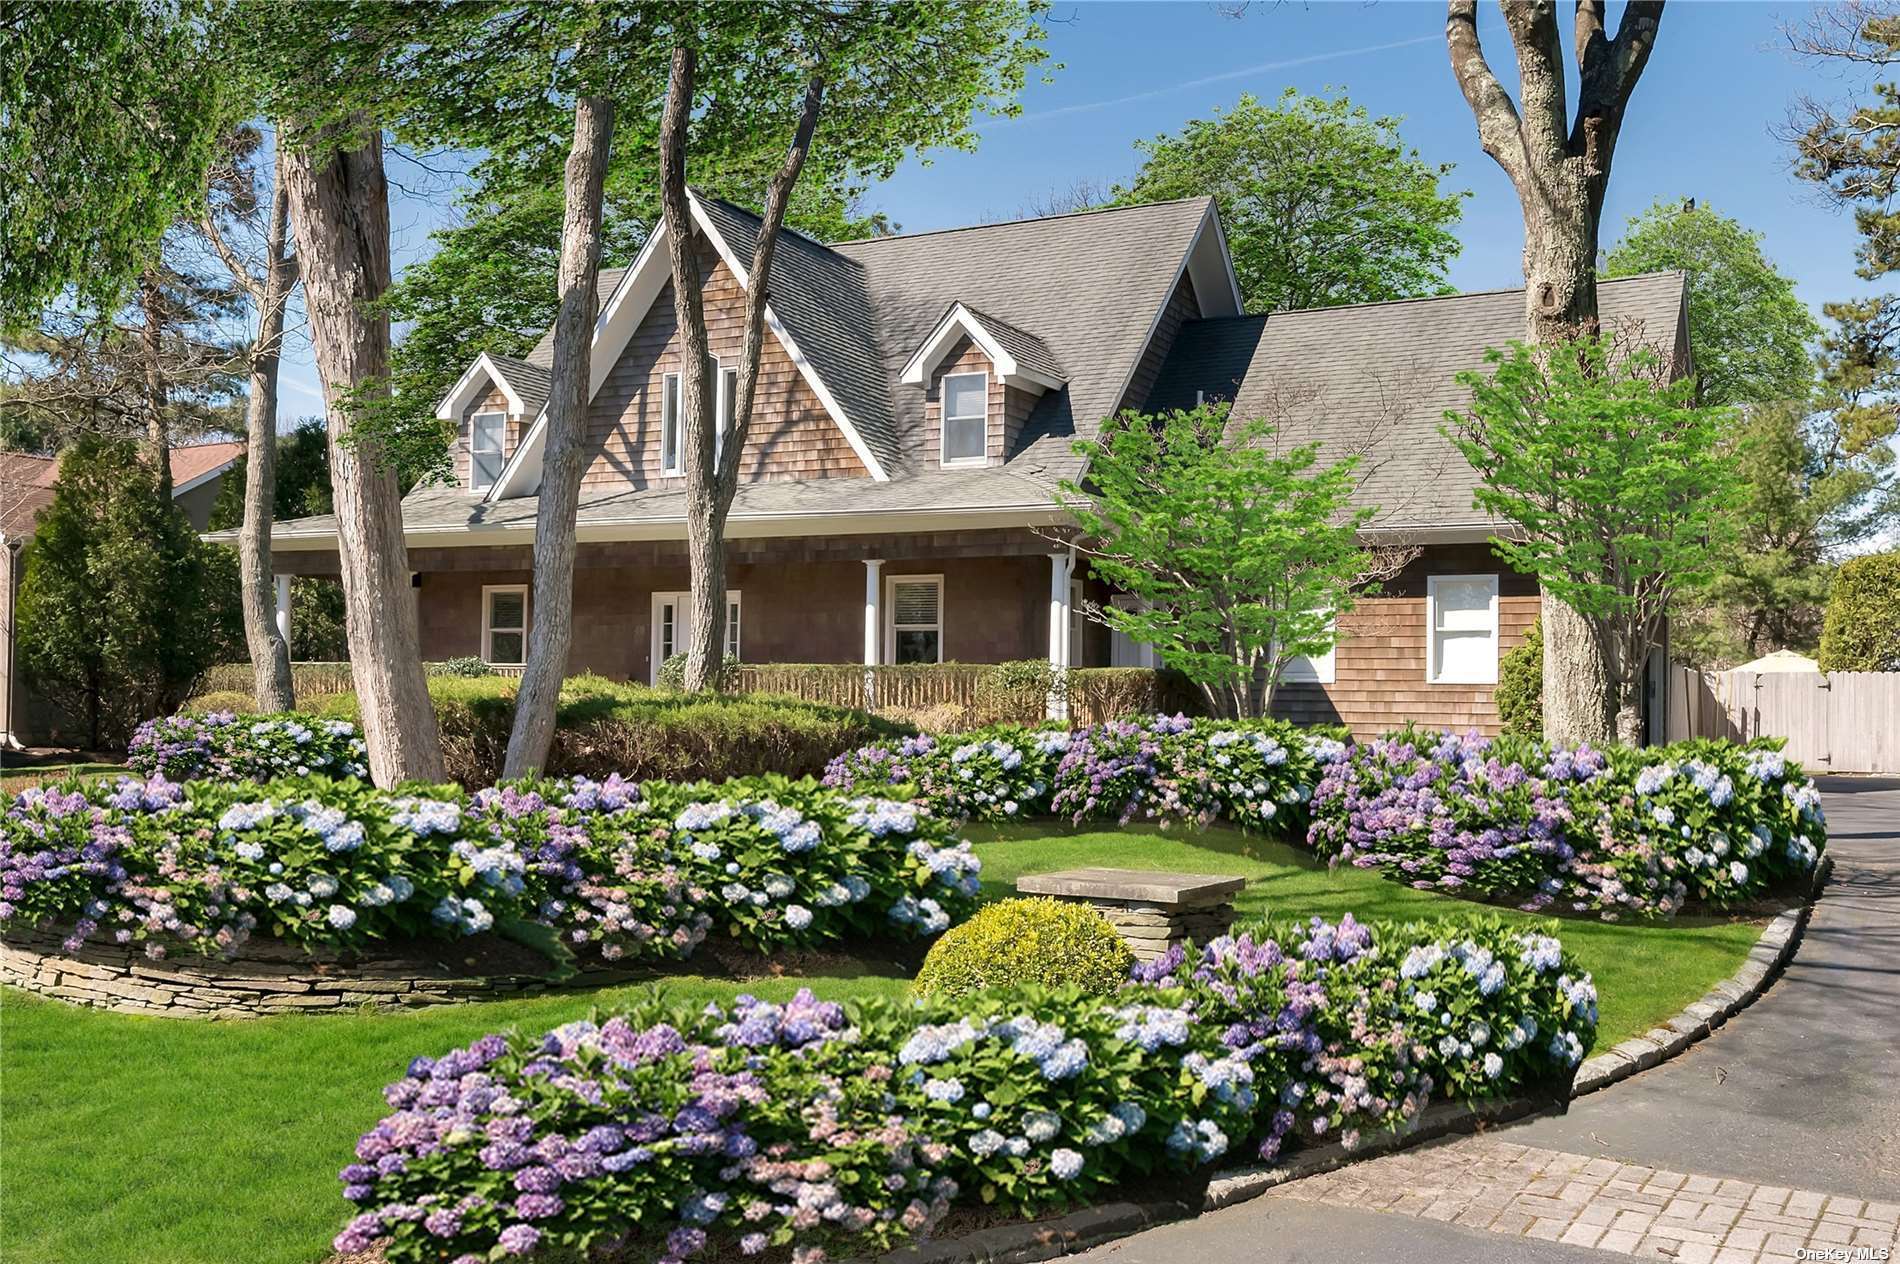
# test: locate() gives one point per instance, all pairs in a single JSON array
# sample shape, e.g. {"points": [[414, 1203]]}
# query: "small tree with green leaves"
{"points": [[1618, 486], [1862, 632], [122, 608], [1239, 554]]}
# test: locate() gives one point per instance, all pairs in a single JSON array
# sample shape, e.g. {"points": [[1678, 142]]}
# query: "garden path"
{"points": [[1781, 1130]]}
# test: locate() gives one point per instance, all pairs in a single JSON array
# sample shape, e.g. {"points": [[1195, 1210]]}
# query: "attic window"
{"points": [[966, 417], [485, 432]]}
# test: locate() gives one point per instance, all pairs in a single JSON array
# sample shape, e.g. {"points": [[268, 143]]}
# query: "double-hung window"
{"points": [[1461, 629], [486, 432], [505, 624], [728, 386], [966, 415], [670, 408], [913, 628], [1312, 669], [673, 416]]}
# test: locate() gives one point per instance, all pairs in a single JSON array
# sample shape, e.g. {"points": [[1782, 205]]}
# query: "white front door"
{"points": [[673, 628]]}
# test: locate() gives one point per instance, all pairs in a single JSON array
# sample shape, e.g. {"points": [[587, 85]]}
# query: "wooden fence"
{"points": [[1832, 721]]}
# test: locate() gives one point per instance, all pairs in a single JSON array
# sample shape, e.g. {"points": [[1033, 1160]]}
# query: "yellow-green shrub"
{"points": [[1042, 941]]}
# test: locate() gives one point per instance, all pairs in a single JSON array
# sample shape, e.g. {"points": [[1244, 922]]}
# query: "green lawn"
{"points": [[155, 1141]]}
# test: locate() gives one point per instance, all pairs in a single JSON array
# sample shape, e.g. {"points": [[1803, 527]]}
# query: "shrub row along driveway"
{"points": [[1788, 1116]]}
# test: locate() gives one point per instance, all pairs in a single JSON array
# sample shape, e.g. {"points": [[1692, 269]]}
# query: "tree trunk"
{"points": [[1561, 171], [152, 349], [270, 654], [339, 203], [551, 630]]}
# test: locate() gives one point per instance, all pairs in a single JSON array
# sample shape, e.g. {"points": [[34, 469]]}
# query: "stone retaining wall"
{"points": [[270, 979]]}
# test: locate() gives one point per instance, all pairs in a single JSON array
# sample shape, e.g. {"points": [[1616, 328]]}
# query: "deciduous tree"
{"points": [[1322, 203], [1240, 556], [1560, 167]]}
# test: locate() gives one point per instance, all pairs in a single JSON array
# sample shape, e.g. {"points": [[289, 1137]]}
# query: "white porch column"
{"points": [[1061, 566], [283, 608], [873, 626]]}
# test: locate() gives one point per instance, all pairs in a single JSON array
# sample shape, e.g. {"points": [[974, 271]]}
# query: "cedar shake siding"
{"points": [[1182, 307], [792, 436], [1379, 665], [495, 401], [966, 357]]}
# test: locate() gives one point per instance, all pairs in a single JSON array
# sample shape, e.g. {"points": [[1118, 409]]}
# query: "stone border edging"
{"points": [[1092, 1226]]}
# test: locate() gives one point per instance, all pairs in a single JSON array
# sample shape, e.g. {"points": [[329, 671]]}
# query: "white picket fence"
{"points": [[1833, 721]]}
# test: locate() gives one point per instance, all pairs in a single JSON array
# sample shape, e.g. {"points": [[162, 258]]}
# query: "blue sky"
{"points": [[1701, 125]]}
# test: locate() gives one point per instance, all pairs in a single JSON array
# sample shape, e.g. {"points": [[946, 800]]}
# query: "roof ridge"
{"points": [[783, 227], [1016, 223], [1443, 298]]}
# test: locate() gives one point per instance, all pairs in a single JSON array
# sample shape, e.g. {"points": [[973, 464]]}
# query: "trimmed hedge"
{"points": [[1039, 942], [632, 871], [1861, 631], [826, 1128], [605, 727]]}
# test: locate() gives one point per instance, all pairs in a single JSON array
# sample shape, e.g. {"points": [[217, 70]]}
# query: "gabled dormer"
{"points": [[980, 376], [492, 404]]}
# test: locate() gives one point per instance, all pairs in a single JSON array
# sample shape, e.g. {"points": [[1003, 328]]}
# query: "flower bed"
{"points": [[1640, 831], [1632, 830], [1158, 768], [635, 872], [224, 746], [826, 1128]]}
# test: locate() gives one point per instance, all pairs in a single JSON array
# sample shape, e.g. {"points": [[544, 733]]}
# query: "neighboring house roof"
{"points": [[1378, 378], [199, 463], [941, 499], [26, 488]]}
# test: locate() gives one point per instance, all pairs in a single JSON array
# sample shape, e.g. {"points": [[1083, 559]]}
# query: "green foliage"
{"points": [[468, 665], [1520, 691], [1322, 203], [1748, 332], [122, 609], [673, 673], [1240, 554], [110, 110], [1041, 942], [1618, 484], [1862, 632], [605, 727]]}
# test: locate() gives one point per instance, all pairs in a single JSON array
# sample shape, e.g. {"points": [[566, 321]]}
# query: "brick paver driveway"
{"points": [[1779, 1134]]}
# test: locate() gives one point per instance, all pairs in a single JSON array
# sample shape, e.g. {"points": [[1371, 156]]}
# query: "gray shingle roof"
{"points": [[1087, 286], [530, 381], [1377, 378], [1030, 351], [439, 508], [1208, 356], [820, 297]]}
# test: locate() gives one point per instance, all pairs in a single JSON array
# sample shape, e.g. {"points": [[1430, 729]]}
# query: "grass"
{"points": [[158, 1141], [14, 780]]}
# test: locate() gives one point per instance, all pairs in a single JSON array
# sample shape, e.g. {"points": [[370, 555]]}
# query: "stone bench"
{"points": [[1149, 909]]}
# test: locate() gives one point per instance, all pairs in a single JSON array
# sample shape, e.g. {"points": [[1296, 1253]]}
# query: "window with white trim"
{"points": [[673, 627], [505, 624], [913, 622], [1461, 629], [965, 401], [728, 380], [487, 432], [670, 424], [1310, 669]]}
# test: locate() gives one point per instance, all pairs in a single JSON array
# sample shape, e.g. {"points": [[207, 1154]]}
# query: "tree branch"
{"points": [[1499, 129]]}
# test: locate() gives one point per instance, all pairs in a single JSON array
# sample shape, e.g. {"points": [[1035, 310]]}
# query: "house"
{"points": [[919, 398], [27, 483]]}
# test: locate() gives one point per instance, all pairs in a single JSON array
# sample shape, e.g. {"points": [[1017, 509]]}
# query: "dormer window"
{"points": [[966, 418], [485, 436]]}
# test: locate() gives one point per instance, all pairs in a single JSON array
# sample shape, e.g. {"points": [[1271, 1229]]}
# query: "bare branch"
{"points": [[1498, 126]]}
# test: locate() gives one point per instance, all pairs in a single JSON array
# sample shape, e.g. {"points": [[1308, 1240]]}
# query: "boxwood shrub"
{"points": [[628, 871], [812, 1127], [1043, 942]]}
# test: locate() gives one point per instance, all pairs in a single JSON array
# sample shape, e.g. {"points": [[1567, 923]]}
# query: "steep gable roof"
{"points": [[1208, 361], [1378, 378], [1089, 286]]}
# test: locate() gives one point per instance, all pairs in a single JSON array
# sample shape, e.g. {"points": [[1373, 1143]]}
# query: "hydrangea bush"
{"points": [[630, 872], [225, 746], [1628, 831], [817, 1129], [992, 774]]}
